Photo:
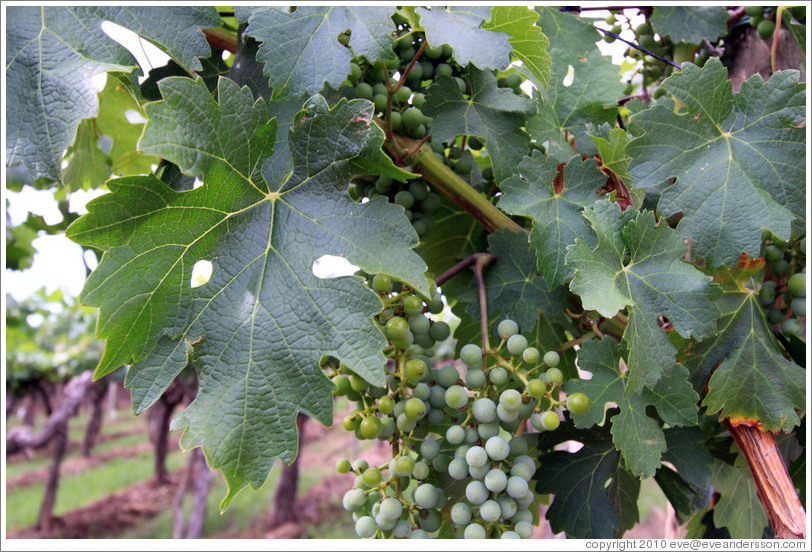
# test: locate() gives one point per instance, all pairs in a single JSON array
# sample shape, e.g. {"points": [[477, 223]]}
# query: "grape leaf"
{"points": [[514, 286], [573, 36], [745, 356], [690, 24], [554, 199], [688, 453], [494, 114], [638, 436], [591, 495], [461, 27], [739, 162], [259, 327], [87, 165], [456, 235], [51, 55], [565, 107], [640, 264], [611, 144], [528, 41], [739, 507], [685, 498], [301, 51]]}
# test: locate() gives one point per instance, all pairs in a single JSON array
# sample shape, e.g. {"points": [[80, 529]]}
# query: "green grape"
{"points": [[380, 102], [405, 423], [421, 391], [420, 471], [508, 505], [396, 328], [448, 376], [511, 399], [415, 369], [497, 448], [357, 383], [514, 80], [510, 535], [792, 326], [798, 306], [765, 28], [371, 427], [429, 205], [372, 477], [418, 99], [753, 10], [507, 328], [430, 448], [471, 355], [412, 304], [463, 166], [363, 91], [404, 199], [439, 331], [474, 531], [419, 324], [349, 423], [354, 500], [412, 118], [425, 495], [642, 29], [435, 303], [415, 409], [530, 355], [780, 268], [382, 283], [366, 527], [550, 421], [518, 446], [536, 388], [388, 428], [495, 480], [522, 470], [456, 397], [797, 285], [343, 466], [516, 344], [395, 120], [775, 316], [484, 410], [487, 430], [773, 254], [342, 384], [498, 375], [476, 492], [403, 466], [490, 511], [517, 487], [552, 359], [443, 70], [475, 144], [437, 399], [391, 508], [458, 469], [476, 457], [578, 403], [455, 434], [767, 292], [460, 513], [403, 94], [418, 534], [474, 378], [461, 85]]}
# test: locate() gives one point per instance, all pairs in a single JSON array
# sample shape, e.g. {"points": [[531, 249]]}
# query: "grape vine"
{"points": [[550, 248]]}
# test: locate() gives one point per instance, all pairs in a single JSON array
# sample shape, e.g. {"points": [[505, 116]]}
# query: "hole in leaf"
{"points": [[330, 266], [197, 183], [134, 118], [569, 77], [201, 273]]}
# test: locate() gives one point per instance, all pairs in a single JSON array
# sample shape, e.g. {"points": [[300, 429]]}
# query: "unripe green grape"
{"points": [[461, 85], [797, 285], [550, 420], [484, 410], [476, 457], [403, 466], [342, 384], [429, 205], [404, 199], [518, 446], [798, 306], [460, 513], [510, 535], [412, 304], [792, 326], [425, 495], [415, 409], [471, 436], [437, 397], [380, 102], [448, 376], [536, 388], [505, 415], [554, 375], [508, 505], [370, 427], [421, 391], [355, 72], [458, 469], [429, 449], [354, 500], [439, 331], [343, 466], [418, 534], [578, 403], [524, 529], [388, 428], [475, 378], [456, 397], [415, 369], [780, 268], [471, 355], [551, 359], [372, 477], [517, 487], [522, 514], [435, 302], [773, 254], [497, 448], [475, 144], [396, 328], [366, 527], [412, 118], [490, 511], [775, 316], [403, 94], [488, 429], [395, 120], [405, 423], [530, 355], [455, 434], [463, 166], [418, 99], [498, 375], [381, 283], [476, 492], [765, 28], [474, 531], [767, 292], [511, 399], [435, 416], [516, 344], [363, 91], [522, 470], [495, 480], [357, 383], [443, 70], [753, 10], [535, 421], [514, 80]]}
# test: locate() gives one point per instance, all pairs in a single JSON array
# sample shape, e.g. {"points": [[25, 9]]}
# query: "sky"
{"points": [[58, 263]]}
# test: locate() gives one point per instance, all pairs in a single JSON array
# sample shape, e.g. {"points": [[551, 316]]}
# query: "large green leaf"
{"points": [[638, 436], [494, 114], [51, 55], [528, 41], [743, 356], [690, 24], [640, 264], [554, 198], [594, 494], [461, 27], [301, 51], [582, 90], [456, 234], [739, 507], [259, 327], [611, 143], [739, 162], [573, 36]]}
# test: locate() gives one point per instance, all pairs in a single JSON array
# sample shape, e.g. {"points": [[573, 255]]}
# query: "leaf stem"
{"points": [[577, 341], [459, 267], [222, 38], [774, 49], [480, 263]]}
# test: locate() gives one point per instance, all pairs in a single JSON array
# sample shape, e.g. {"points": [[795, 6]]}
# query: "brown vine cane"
{"points": [[775, 488]]}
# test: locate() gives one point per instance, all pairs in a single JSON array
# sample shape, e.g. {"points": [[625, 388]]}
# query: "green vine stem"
{"points": [[445, 180], [481, 263]]}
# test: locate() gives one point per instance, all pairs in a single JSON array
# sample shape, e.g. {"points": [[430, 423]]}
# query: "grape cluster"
{"points": [[783, 293], [460, 465]]}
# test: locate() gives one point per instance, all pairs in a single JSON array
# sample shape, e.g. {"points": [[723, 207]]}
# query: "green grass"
{"points": [[23, 503]]}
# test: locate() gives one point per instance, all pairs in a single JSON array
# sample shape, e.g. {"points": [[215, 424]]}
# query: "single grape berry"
{"points": [[396, 328], [516, 344], [550, 420], [507, 328], [797, 285], [765, 28], [471, 355], [413, 304], [371, 427], [343, 466], [381, 283], [551, 359], [578, 403]]}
